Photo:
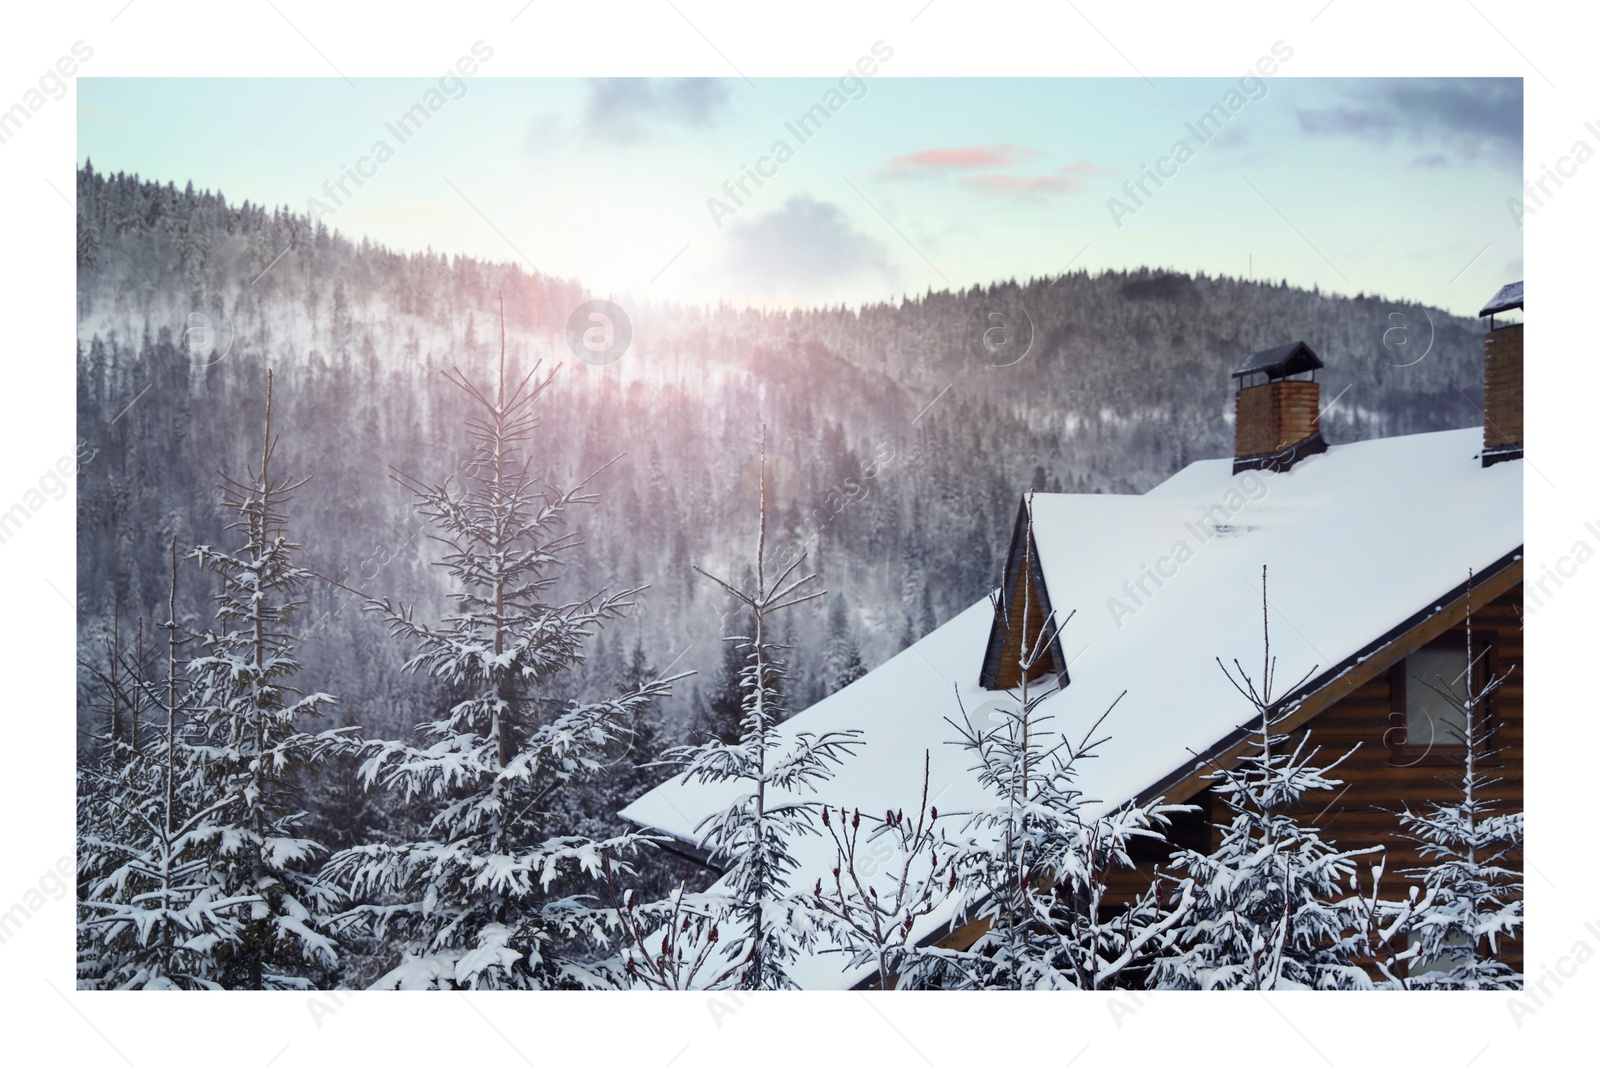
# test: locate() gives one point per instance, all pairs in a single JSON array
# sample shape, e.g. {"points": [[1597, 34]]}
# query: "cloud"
{"points": [[934, 161], [802, 248], [1039, 185], [1450, 120], [544, 133], [1064, 181], [623, 110], [1234, 136], [942, 162]]}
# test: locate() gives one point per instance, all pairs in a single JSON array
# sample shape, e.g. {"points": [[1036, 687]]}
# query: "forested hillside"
{"points": [[898, 451]]}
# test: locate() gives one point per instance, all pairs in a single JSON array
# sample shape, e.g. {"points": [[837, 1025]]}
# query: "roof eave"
{"points": [[1321, 692], [676, 844]]}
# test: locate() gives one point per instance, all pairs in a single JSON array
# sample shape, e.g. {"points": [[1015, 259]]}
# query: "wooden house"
{"points": [[1379, 555]]}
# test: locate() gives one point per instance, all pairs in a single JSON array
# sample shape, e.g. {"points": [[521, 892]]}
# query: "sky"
{"points": [[1392, 187]]}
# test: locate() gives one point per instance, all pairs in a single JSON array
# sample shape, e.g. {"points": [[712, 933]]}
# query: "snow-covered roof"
{"points": [[1356, 541]]}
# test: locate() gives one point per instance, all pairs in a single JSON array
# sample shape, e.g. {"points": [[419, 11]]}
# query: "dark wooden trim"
{"points": [[988, 676], [1491, 456], [1058, 659], [1397, 714], [1490, 758], [678, 846]]}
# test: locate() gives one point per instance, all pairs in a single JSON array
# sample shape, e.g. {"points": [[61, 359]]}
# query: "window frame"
{"points": [[1485, 666]]}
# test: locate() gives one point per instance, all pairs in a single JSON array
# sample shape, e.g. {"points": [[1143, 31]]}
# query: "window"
{"points": [[1436, 689], [1427, 721], [1442, 966]]}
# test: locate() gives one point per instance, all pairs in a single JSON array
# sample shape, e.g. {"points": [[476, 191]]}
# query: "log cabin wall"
{"points": [[1382, 776]]}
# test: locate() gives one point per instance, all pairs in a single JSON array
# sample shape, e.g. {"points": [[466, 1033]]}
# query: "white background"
{"points": [[1551, 47]]}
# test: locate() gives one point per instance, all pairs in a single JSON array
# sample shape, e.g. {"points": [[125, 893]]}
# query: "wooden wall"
{"points": [[1009, 674], [1379, 781]]}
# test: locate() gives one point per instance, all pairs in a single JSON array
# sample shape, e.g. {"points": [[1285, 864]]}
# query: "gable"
{"points": [[1021, 609]]}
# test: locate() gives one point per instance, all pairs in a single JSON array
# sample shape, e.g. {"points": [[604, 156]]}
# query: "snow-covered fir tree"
{"points": [[723, 713], [1037, 864], [218, 887], [841, 657], [148, 914], [493, 896], [246, 727], [761, 921], [1275, 905], [113, 692], [641, 770], [1473, 884]]}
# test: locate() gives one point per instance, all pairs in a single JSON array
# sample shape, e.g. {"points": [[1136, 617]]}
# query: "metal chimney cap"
{"points": [[1509, 296]]}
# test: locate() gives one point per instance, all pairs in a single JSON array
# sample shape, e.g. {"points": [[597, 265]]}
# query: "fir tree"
{"points": [[1274, 904], [928, 620], [724, 711], [490, 898], [149, 913], [643, 770], [114, 693], [246, 726], [841, 658], [216, 886], [749, 839], [1472, 889], [1038, 868]]}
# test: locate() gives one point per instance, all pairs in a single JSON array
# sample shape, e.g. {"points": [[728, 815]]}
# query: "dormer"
{"points": [[1022, 608]]}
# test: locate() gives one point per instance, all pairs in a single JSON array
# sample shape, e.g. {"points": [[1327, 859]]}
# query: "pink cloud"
{"points": [[936, 160]]}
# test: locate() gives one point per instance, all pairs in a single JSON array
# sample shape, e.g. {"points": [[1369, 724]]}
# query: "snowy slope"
{"points": [[1355, 541]]}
